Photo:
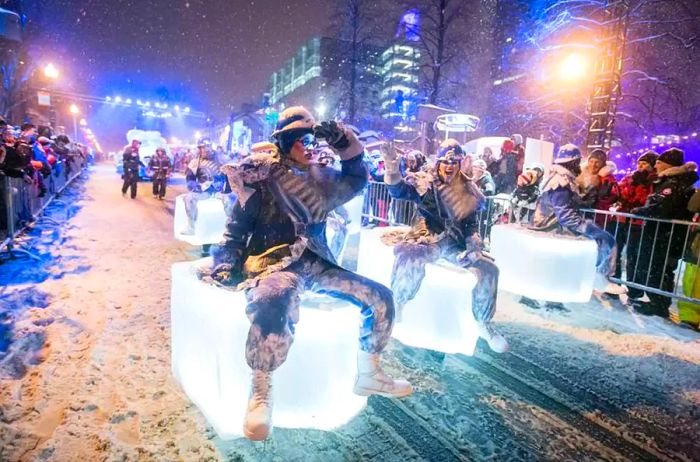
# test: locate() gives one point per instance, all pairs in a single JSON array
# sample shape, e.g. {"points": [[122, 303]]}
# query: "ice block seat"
{"points": [[354, 211], [209, 226], [544, 265], [312, 389], [440, 316]]}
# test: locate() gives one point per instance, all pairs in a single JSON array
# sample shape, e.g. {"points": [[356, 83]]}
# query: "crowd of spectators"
{"points": [[35, 153]]}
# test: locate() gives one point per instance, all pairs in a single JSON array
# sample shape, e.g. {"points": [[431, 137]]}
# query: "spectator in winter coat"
{"points": [[663, 244], [598, 183], [527, 192], [507, 173], [160, 169], [482, 178], [520, 150], [558, 208], [634, 189], [132, 166]]}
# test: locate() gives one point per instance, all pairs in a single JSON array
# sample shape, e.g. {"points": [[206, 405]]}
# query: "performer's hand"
{"points": [[225, 274], [333, 133]]}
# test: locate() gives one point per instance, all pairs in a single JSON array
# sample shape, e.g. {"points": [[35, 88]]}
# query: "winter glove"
{"points": [[192, 185], [341, 139], [333, 134], [224, 274], [392, 170]]}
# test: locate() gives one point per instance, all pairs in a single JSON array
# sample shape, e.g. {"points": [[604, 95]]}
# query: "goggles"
{"points": [[308, 140]]}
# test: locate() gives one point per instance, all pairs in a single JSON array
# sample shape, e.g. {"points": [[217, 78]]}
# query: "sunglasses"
{"points": [[308, 140]]}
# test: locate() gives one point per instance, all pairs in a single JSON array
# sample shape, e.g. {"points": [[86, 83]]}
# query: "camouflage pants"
{"points": [[409, 271], [273, 308]]}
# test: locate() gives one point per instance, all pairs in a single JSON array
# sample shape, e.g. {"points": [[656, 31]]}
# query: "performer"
{"points": [[558, 209], [160, 168], [204, 179], [445, 226], [275, 248], [132, 165]]}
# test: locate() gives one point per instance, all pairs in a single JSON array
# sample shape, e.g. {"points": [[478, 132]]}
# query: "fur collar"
{"points": [[608, 169], [681, 169], [559, 177]]}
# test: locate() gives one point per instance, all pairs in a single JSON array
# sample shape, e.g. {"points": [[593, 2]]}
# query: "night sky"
{"points": [[209, 53]]}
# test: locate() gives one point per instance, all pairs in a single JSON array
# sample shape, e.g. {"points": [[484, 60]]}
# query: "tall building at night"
{"points": [[318, 77], [399, 73]]}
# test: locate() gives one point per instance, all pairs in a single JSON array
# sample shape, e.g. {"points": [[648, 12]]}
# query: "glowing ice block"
{"points": [[440, 316], [210, 224], [312, 389], [354, 211], [542, 265]]}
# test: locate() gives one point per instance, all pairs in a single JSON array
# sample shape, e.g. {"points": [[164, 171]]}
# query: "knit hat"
{"points": [[673, 157], [598, 154], [649, 157], [479, 163], [517, 139], [567, 153]]}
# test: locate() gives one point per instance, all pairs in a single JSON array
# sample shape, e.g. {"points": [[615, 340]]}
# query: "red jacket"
{"points": [[634, 190]]}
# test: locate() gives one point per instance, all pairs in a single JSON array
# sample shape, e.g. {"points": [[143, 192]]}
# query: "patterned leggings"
{"points": [[273, 308], [409, 271]]}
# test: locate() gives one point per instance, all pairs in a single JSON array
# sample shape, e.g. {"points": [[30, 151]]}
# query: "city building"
{"points": [[399, 76], [318, 77]]}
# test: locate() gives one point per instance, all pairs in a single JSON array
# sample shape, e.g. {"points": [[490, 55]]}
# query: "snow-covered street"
{"points": [[86, 375]]}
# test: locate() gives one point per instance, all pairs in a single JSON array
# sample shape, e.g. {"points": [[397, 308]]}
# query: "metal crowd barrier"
{"points": [[655, 255], [20, 203]]}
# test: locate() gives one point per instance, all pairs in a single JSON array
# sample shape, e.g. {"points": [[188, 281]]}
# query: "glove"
{"points": [[192, 185], [341, 139], [333, 134], [225, 275], [392, 171]]}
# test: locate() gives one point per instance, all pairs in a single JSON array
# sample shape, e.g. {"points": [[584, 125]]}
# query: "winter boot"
{"points": [[602, 284], [258, 417], [371, 379], [488, 332]]}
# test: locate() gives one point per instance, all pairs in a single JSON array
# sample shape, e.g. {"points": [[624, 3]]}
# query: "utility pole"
{"points": [[607, 89]]}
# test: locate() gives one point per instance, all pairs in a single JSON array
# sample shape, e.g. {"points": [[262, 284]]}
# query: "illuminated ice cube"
{"points": [[210, 224], [544, 265], [312, 389], [440, 316]]}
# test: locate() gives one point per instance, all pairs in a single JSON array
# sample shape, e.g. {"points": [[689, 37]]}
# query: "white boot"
{"points": [[371, 379], [258, 417], [496, 341], [603, 284]]}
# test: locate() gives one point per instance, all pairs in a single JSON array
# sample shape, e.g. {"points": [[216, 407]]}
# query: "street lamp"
{"points": [[574, 67], [50, 72], [74, 112]]}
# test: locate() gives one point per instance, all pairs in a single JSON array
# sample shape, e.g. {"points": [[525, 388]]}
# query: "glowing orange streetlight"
{"points": [[573, 67], [50, 71]]}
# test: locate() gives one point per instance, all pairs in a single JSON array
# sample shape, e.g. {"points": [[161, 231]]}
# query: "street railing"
{"points": [[20, 203], [655, 256]]}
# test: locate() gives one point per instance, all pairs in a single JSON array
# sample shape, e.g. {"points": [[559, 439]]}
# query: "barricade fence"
{"points": [[20, 203], [656, 257]]}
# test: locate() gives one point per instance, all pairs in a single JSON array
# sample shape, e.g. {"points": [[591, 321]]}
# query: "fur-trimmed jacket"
{"points": [[672, 191], [445, 210], [281, 212], [600, 190], [559, 202]]}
